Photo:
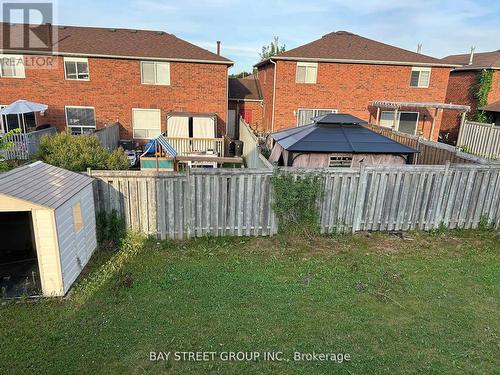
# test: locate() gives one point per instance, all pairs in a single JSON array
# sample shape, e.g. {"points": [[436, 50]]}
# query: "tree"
{"points": [[240, 75], [272, 49], [5, 144]]}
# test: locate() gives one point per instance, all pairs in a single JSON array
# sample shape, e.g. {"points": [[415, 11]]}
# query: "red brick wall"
{"points": [[265, 75], [255, 110], [352, 88], [115, 88], [494, 94], [459, 92]]}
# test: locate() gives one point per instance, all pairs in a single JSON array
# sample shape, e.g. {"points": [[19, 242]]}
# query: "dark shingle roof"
{"points": [[344, 46], [480, 60], [324, 136], [42, 184], [96, 41], [245, 88]]}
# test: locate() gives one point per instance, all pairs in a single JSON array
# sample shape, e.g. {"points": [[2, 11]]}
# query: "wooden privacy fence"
{"points": [[237, 202], [251, 153], [480, 139], [109, 136], [25, 145], [430, 152]]}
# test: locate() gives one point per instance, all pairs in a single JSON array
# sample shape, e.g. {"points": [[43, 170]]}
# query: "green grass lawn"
{"points": [[424, 304]]}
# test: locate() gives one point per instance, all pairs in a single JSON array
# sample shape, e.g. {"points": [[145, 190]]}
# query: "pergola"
{"points": [[463, 109]]}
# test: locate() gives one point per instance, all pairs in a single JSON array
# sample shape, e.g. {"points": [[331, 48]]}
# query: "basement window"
{"points": [[76, 69], [340, 160], [80, 120], [420, 77], [155, 73]]}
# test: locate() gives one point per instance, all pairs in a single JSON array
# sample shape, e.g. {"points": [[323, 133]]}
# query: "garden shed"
{"points": [[48, 229]]}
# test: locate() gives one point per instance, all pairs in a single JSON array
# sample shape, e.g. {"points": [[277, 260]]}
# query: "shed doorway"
{"points": [[19, 272]]}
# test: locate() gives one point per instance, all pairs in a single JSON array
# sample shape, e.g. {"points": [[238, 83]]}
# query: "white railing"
{"points": [[480, 139], [25, 145], [185, 146]]}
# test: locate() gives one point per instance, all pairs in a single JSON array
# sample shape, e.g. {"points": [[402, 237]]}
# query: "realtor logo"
{"points": [[28, 26]]}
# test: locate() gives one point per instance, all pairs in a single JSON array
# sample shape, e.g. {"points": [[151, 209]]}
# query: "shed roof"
{"points": [[492, 107], [110, 42], [42, 184], [327, 136], [343, 46]]}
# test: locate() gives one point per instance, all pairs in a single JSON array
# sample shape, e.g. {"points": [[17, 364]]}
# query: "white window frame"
{"points": [[156, 63], [149, 130], [79, 126], [307, 65], [396, 126], [314, 110], [420, 70], [18, 67], [76, 60]]}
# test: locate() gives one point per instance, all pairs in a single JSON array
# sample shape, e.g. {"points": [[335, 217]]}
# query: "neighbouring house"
{"points": [[345, 72], [98, 76], [47, 227], [245, 100], [336, 140], [464, 84]]}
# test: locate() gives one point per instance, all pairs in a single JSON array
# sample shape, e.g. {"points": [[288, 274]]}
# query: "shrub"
{"points": [[110, 229], [79, 152]]}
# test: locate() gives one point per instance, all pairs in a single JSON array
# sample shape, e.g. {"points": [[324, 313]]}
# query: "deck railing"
{"points": [[185, 146], [25, 145]]}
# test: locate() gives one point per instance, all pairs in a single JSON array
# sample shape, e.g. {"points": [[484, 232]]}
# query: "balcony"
{"points": [[190, 146]]}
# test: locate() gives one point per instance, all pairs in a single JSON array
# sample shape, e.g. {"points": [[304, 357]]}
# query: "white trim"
{"points": [[73, 54], [420, 70], [148, 110], [76, 60], [79, 126]]}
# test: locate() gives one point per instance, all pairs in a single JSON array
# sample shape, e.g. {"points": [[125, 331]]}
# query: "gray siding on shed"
{"points": [[76, 248]]}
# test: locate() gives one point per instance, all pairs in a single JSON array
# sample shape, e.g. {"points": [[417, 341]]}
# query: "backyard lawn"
{"points": [[419, 303]]}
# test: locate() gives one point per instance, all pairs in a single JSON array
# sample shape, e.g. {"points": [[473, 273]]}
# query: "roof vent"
{"points": [[419, 48], [133, 30], [471, 58], [62, 27], [112, 30], [160, 32]]}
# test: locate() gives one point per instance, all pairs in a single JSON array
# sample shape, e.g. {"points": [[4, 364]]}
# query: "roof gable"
{"points": [[42, 184], [119, 43], [343, 46], [245, 88]]}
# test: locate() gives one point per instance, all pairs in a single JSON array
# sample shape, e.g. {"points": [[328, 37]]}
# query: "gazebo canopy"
{"points": [[338, 133]]}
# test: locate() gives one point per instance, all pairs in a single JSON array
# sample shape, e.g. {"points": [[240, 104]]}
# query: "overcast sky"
{"points": [[443, 27]]}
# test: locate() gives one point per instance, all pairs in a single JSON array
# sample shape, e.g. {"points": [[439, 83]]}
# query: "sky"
{"points": [[443, 27]]}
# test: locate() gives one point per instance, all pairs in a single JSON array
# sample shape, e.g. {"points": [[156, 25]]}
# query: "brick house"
{"points": [[245, 100], [463, 82], [347, 73], [99, 76]]}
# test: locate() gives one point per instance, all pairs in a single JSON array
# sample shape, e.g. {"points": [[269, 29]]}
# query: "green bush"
{"points": [[79, 152]]}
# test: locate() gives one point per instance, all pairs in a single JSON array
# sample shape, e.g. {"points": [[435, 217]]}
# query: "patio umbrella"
{"points": [[20, 107]]}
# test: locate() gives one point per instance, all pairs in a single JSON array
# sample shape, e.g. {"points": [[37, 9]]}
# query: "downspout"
{"points": [[274, 93]]}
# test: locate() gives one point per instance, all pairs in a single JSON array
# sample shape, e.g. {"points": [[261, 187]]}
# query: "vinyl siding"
{"points": [[76, 248]]}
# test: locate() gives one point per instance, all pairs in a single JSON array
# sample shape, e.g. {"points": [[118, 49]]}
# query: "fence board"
{"points": [[239, 203]]}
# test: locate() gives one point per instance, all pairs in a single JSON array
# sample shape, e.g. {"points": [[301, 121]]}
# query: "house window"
{"points": [[340, 160], [77, 217], [155, 73], [10, 122], [80, 120], [12, 66], [146, 123], [305, 115], [420, 77], [76, 68], [306, 72], [406, 122]]}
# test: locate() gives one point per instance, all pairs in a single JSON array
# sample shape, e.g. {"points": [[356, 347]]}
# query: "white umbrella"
{"points": [[20, 107]]}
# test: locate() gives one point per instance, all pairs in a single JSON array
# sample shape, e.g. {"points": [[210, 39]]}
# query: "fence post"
{"points": [[461, 130], [360, 195], [488, 152]]}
